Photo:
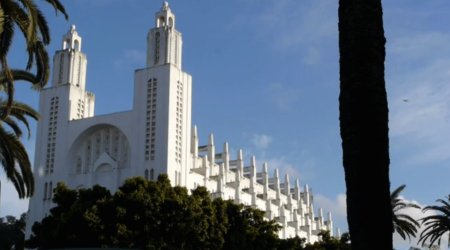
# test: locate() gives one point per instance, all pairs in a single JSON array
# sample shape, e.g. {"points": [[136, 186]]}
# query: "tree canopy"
{"points": [[12, 232], [154, 215], [150, 215]]}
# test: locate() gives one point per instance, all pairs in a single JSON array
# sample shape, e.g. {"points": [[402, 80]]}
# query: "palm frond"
{"points": [[19, 111], [42, 65], [403, 224], [13, 125], [2, 20], [58, 7], [23, 20], [18, 75], [43, 28], [13, 154], [436, 225]]}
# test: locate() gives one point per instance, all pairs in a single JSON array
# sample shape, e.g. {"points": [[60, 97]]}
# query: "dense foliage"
{"points": [[12, 232], [151, 215], [154, 215]]}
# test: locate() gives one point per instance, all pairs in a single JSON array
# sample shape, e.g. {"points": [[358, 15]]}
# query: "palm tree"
{"points": [[29, 19], [438, 224], [364, 123], [13, 156], [25, 15], [404, 224]]}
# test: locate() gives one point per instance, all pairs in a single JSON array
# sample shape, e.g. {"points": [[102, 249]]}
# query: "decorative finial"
{"points": [[72, 28], [165, 5]]}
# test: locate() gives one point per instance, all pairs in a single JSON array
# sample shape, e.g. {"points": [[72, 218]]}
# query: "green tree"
{"points": [[13, 155], [404, 225], [363, 119], [328, 242], [295, 243], [68, 224], [150, 215], [32, 24], [12, 232], [436, 225], [248, 229]]}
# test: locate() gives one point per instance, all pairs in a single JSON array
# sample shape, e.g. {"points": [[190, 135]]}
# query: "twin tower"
{"points": [[80, 149]]}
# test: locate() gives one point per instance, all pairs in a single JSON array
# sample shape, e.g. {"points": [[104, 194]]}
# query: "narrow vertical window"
{"points": [[61, 69], [45, 191], [50, 191], [79, 166], [157, 40], [152, 173], [146, 174]]}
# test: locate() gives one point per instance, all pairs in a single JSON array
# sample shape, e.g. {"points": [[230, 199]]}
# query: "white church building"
{"points": [[156, 137]]}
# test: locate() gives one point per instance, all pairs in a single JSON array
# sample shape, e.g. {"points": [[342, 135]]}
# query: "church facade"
{"points": [[155, 137]]}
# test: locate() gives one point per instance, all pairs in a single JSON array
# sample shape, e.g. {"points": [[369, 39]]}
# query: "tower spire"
{"points": [[72, 41], [164, 42], [69, 63]]}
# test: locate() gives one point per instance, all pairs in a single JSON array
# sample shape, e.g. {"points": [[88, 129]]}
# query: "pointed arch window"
{"points": [[152, 173], [146, 174]]}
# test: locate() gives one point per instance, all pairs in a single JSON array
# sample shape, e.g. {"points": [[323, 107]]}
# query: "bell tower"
{"points": [[162, 102], [69, 62], [164, 41]]}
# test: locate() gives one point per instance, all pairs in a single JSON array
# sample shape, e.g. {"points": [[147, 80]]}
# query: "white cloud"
{"points": [[261, 141], [337, 206], [283, 166], [420, 113], [419, 97], [130, 57], [422, 45]]}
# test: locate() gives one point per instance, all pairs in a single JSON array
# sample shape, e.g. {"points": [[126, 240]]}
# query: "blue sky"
{"points": [[266, 79]]}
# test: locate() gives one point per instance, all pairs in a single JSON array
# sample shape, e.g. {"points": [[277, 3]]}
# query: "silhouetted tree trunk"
{"points": [[364, 123]]}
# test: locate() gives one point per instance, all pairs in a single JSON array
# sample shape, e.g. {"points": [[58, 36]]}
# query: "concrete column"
{"points": [[265, 177], [240, 163], [330, 224], [207, 170], [220, 182], [211, 150], [276, 177], [194, 142], [226, 160]]}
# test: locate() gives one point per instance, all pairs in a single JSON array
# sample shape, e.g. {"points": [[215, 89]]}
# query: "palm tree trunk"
{"points": [[364, 123]]}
